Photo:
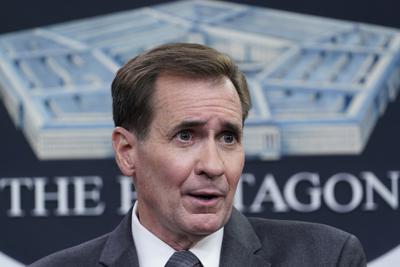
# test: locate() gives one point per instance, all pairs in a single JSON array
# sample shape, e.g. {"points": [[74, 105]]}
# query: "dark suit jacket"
{"points": [[247, 242]]}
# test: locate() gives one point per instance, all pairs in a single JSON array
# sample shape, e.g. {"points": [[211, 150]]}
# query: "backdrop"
{"points": [[50, 201]]}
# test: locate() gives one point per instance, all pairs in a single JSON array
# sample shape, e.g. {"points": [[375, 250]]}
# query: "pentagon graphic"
{"points": [[318, 85]]}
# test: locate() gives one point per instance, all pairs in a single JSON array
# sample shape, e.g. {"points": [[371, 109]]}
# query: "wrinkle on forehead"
{"points": [[197, 96]]}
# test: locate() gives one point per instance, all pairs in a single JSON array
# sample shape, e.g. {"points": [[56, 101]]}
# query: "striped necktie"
{"points": [[183, 258]]}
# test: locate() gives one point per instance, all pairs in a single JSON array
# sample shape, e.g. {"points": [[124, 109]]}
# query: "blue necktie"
{"points": [[183, 258]]}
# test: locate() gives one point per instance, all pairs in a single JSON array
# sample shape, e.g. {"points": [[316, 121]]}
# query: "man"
{"points": [[179, 111]]}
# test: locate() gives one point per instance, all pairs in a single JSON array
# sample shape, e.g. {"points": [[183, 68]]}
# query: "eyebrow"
{"points": [[190, 124], [233, 127]]}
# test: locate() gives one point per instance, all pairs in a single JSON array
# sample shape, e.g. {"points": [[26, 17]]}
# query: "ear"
{"points": [[124, 144]]}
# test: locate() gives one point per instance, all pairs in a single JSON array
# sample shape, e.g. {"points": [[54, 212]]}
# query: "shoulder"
{"points": [[305, 231], [116, 246], [85, 254], [309, 240]]}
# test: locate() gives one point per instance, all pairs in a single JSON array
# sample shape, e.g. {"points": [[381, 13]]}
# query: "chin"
{"points": [[205, 224]]}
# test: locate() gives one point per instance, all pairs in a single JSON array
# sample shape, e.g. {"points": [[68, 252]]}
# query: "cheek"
{"points": [[176, 159], [234, 171], [169, 170], [233, 182]]}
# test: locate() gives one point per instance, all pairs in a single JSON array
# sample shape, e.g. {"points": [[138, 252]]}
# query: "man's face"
{"points": [[187, 168]]}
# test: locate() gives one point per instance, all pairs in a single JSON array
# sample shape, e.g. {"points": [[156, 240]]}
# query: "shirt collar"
{"points": [[208, 249]]}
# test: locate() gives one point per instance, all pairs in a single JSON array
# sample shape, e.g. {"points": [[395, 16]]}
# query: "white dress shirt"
{"points": [[153, 252]]}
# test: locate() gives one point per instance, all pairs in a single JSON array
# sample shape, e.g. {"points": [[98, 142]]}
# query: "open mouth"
{"points": [[204, 199], [204, 196]]}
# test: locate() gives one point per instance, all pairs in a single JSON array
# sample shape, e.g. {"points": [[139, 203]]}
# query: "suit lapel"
{"points": [[240, 245], [119, 249]]}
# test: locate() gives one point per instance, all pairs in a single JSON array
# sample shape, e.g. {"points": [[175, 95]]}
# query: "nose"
{"points": [[210, 162]]}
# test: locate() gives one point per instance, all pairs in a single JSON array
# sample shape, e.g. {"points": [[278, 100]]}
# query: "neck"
{"points": [[175, 240]]}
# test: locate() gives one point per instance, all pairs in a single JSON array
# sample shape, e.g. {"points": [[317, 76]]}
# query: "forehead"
{"points": [[185, 97]]}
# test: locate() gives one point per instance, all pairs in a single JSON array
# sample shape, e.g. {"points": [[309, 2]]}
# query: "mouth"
{"points": [[204, 196]]}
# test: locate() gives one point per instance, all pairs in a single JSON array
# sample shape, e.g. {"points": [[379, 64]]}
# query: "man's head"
{"points": [[181, 138], [134, 85]]}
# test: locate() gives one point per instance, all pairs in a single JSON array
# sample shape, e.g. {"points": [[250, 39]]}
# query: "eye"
{"points": [[184, 136], [228, 138]]}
